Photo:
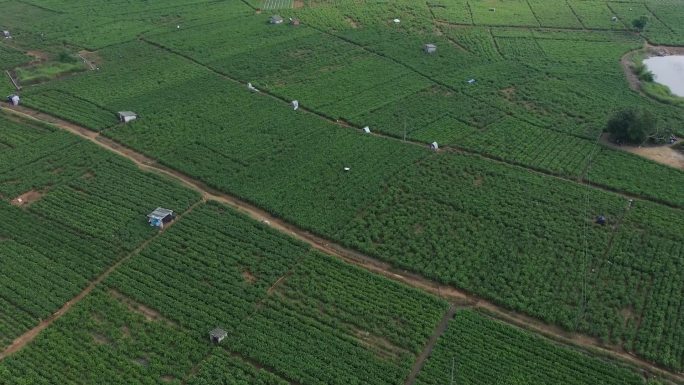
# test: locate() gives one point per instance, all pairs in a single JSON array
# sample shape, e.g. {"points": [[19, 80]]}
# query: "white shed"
{"points": [[127, 116], [276, 19], [6, 34], [367, 130], [430, 48], [13, 100], [295, 105], [434, 146], [217, 335]]}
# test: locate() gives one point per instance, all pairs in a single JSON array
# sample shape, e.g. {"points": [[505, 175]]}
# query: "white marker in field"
{"points": [[295, 105]]}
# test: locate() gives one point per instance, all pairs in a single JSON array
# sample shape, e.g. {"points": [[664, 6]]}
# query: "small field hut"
{"points": [[217, 335], [13, 100], [160, 216], [127, 116], [276, 19], [367, 130], [430, 48], [434, 146], [6, 34]]}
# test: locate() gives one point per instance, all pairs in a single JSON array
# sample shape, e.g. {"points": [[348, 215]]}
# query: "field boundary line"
{"points": [[576, 15], [655, 16], [432, 341], [368, 263], [482, 100], [28, 336], [534, 13]]}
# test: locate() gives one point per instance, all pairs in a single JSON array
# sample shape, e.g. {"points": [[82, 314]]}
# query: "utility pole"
{"points": [[404, 129], [453, 364]]}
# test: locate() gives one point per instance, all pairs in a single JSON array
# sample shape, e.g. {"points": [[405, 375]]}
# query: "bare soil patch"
{"points": [[353, 23], [508, 92], [100, 339], [379, 345], [92, 57], [39, 56], [125, 331], [27, 198], [627, 313], [665, 154], [167, 378], [298, 4], [478, 181], [248, 276], [627, 68], [134, 306]]}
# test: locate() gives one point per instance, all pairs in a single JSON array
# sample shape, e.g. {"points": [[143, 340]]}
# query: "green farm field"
{"points": [[328, 254]]}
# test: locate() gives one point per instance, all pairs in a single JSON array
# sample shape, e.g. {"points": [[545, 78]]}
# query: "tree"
{"points": [[632, 125], [640, 23]]}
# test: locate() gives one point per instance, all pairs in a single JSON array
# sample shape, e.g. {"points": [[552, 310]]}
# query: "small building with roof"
{"points": [[127, 116], [430, 48], [276, 19], [160, 216], [217, 335], [13, 99], [434, 146], [6, 34]]}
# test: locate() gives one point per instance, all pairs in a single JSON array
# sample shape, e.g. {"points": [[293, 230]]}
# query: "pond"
{"points": [[668, 71]]}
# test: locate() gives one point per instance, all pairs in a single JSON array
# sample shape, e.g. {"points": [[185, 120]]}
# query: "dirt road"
{"points": [[368, 263]]}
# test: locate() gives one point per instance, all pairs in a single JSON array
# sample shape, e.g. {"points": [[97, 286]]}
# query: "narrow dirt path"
{"points": [[427, 350], [368, 263], [31, 334]]}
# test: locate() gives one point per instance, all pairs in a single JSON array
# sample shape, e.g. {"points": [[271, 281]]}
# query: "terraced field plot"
{"points": [[516, 95], [69, 211]]}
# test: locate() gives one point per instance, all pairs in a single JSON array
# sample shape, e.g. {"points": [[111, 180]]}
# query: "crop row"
{"points": [[478, 350], [100, 341], [528, 243], [222, 368], [301, 314], [70, 107], [86, 207]]}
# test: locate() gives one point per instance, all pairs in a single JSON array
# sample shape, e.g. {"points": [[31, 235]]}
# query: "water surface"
{"points": [[668, 71]]}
